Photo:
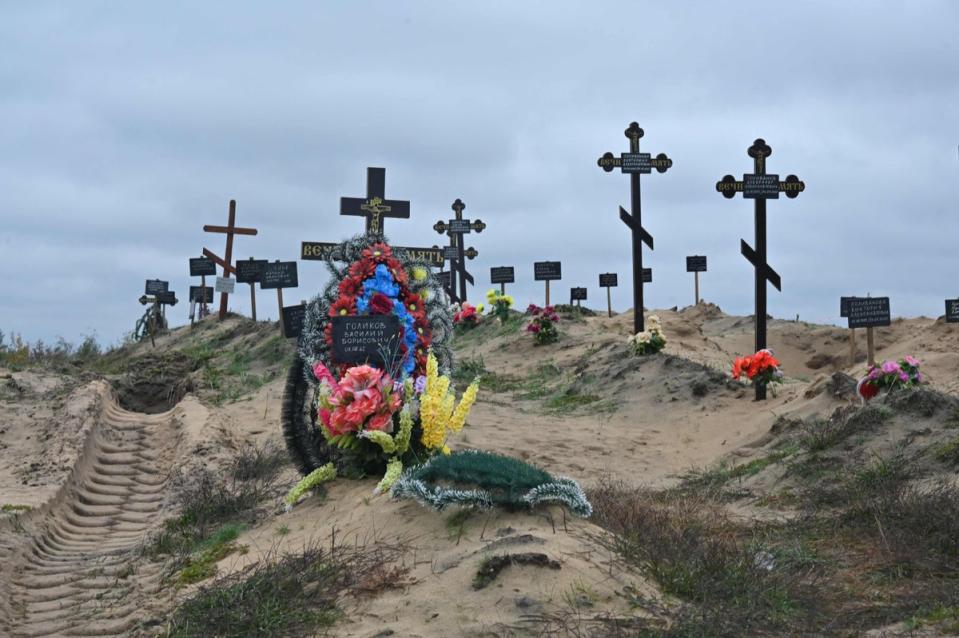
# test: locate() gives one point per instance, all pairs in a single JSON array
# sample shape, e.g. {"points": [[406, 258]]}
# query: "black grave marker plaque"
{"points": [[844, 306], [761, 186], [696, 263], [869, 312], [577, 294], [279, 274], [459, 226], [293, 320], [167, 298], [156, 286], [502, 275], [547, 271], [609, 280], [200, 294], [364, 339], [249, 271], [202, 266], [952, 310], [647, 275]]}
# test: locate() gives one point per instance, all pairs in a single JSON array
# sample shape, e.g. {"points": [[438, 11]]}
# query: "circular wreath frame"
{"points": [[306, 444]]}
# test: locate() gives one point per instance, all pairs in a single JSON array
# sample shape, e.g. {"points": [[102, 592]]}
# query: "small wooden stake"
{"points": [[871, 346], [279, 302], [253, 301], [852, 346], [547, 292], [502, 289], [697, 287], [609, 302]]}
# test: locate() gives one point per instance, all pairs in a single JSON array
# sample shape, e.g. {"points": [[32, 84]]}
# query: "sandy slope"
{"points": [[96, 474]]}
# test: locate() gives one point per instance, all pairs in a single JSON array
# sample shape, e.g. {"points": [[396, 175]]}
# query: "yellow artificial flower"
{"points": [[402, 440], [446, 450], [463, 409], [384, 440], [393, 470], [419, 274], [308, 482]]}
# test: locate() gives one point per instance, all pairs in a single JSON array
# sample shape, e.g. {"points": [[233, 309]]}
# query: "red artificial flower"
{"points": [[363, 269], [380, 304], [413, 302], [350, 286], [378, 252], [342, 307]]}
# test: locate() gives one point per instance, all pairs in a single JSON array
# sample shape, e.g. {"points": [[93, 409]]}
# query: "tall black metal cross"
{"points": [[375, 207], [636, 164], [759, 187], [455, 229]]}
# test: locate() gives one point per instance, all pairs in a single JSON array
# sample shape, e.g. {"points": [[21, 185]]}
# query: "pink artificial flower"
{"points": [[903, 377], [322, 373], [363, 400], [890, 367], [911, 361]]}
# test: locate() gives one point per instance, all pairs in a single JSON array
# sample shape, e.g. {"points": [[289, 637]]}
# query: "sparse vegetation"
{"points": [[288, 595]]}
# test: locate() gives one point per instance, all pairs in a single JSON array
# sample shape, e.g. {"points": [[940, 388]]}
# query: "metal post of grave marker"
{"points": [[277, 276], [250, 271], [635, 164], [608, 281], [696, 264], [375, 207], [502, 275], [227, 261], [869, 313], [759, 187], [547, 271]]}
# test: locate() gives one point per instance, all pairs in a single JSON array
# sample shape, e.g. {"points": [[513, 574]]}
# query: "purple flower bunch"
{"points": [[891, 375]]}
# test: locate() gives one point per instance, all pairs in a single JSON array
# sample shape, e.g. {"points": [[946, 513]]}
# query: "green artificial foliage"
{"points": [[482, 479]]}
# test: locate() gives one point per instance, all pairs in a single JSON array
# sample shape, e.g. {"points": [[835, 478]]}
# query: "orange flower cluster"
{"points": [[756, 365]]}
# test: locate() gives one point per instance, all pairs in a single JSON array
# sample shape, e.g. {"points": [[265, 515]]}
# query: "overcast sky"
{"points": [[124, 127]]}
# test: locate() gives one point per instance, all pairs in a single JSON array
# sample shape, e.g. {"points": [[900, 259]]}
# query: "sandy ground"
{"points": [[96, 475]]}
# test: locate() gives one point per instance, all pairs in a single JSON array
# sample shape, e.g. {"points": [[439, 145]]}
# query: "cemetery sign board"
{"points": [[502, 275], [156, 286], [577, 294], [201, 267], [249, 271], [201, 294], [869, 312], [547, 271], [952, 310], [609, 280], [225, 284], [696, 263], [293, 320], [279, 274]]}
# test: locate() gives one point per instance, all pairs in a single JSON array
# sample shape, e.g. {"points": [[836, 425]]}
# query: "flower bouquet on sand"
{"points": [[760, 368], [891, 375], [466, 316], [499, 304], [542, 324], [649, 341]]}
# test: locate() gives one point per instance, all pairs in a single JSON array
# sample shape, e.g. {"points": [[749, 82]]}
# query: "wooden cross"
{"points": [[375, 206], [226, 262], [455, 229], [759, 186], [636, 164]]}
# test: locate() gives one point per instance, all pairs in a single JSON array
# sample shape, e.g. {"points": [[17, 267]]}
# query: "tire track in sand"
{"points": [[78, 574]]}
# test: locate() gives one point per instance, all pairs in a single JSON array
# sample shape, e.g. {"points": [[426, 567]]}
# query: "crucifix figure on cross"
{"points": [[455, 229], [759, 187], [226, 262], [635, 164], [375, 207]]}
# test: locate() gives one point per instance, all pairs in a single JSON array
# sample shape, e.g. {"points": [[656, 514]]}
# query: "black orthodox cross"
{"points": [[455, 229], [759, 186], [227, 261], [636, 164], [375, 207]]}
